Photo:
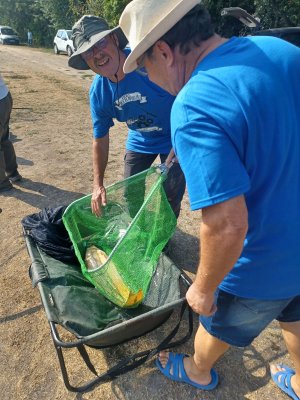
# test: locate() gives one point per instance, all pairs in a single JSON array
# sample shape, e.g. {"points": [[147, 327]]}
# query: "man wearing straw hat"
{"points": [[236, 133], [133, 99]]}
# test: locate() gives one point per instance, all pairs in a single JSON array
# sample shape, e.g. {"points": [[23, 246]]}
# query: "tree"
{"points": [[108, 9], [79, 8], [228, 26], [39, 25], [58, 12], [112, 10], [22, 15], [44, 17], [278, 13]]}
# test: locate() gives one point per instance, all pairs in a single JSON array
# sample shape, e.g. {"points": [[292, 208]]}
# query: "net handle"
{"points": [[169, 162]]}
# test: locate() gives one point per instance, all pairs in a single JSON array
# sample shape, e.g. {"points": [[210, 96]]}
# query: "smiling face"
{"points": [[105, 58]]}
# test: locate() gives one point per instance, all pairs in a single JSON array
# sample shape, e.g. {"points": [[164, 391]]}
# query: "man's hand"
{"points": [[98, 200], [171, 159], [201, 303]]}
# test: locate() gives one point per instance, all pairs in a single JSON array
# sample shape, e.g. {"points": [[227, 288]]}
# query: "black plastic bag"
{"points": [[49, 232]]}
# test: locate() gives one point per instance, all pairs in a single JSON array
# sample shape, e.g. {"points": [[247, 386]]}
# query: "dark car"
{"points": [[8, 35], [290, 34]]}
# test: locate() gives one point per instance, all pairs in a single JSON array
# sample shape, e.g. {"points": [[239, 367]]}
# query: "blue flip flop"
{"points": [[283, 381], [179, 374]]}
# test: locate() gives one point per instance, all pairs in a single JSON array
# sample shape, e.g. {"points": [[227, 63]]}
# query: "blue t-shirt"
{"points": [[143, 105], [236, 130]]}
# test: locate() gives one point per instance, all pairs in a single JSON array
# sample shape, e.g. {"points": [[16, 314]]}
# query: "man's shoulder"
{"points": [[100, 84], [97, 80]]}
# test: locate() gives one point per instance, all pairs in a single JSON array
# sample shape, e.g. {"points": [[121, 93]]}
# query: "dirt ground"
{"points": [[51, 131]]}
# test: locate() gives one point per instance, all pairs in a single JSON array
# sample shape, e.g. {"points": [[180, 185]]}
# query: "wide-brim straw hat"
{"points": [[86, 33], [146, 21]]}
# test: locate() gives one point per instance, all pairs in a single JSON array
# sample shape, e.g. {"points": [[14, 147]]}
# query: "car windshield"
{"points": [[69, 33], [8, 31]]}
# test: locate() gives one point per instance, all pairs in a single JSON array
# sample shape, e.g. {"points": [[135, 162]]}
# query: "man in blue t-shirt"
{"points": [[133, 99], [236, 131]]}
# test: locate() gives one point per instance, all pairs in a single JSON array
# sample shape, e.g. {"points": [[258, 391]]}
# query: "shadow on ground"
{"points": [[241, 372], [184, 250], [41, 195]]}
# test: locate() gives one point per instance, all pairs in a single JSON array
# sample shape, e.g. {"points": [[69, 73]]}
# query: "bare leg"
{"points": [[291, 335], [208, 350]]}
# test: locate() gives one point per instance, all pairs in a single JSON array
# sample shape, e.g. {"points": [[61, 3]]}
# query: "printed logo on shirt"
{"points": [[129, 97], [143, 124], [150, 129]]}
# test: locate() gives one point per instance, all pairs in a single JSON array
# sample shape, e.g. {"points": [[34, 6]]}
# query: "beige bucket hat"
{"points": [[146, 21]]}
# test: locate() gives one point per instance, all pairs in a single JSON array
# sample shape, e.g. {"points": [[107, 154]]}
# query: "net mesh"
{"points": [[134, 227]]}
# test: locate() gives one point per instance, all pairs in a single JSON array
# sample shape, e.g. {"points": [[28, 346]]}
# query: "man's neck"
{"points": [[195, 56], [119, 74]]}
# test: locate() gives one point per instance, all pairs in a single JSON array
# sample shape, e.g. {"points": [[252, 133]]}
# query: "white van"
{"points": [[8, 35]]}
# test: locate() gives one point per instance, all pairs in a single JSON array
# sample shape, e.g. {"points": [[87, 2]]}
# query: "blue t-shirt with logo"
{"points": [[236, 130], [144, 106]]}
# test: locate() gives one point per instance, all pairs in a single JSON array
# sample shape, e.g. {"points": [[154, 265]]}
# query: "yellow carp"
{"points": [[95, 258]]}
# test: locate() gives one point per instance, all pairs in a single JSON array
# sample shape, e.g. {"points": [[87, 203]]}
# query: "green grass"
{"points": [[35, 48], [31, 133], [87, 76], [44, 49]]}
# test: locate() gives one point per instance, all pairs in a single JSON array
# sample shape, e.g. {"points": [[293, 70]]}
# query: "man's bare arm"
{"points": [[100, 158], [222, 233]]}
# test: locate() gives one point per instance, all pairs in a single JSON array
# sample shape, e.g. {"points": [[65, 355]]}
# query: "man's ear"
{"points": [[165, 51]]}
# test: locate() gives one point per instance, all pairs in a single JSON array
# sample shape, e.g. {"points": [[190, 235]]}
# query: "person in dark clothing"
{"points": [[8, 163]]}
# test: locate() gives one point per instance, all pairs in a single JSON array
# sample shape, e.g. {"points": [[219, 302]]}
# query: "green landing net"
{"points": [[134, 227]]}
